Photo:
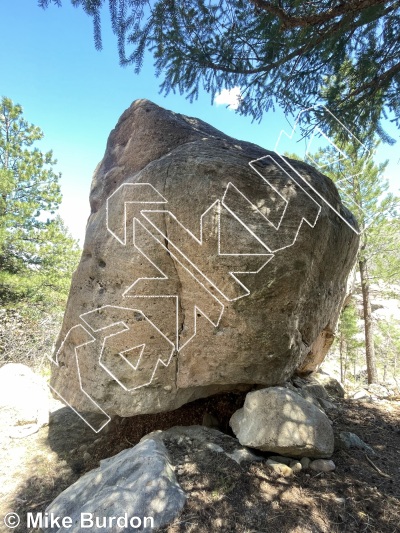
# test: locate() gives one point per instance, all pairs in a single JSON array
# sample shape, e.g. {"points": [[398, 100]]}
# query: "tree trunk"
{"points": [[343, 358], [368, 325]]}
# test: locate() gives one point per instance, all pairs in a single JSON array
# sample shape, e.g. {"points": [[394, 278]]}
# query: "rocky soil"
{"points": [[362, 494]]}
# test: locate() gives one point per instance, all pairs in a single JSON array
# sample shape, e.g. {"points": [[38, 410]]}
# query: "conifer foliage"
{"points": [[280, 52], [377, 211], [37, 255]]}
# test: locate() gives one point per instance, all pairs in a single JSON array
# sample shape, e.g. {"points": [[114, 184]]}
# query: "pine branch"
{"points": [[289, 21], [376, 83], [300, 51]]}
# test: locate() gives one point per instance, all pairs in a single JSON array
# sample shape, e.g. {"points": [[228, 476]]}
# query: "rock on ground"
{"points": [[200, 273], [322, 465], [331, 385], [280, 468], [136, 484], [281, 421], [24, 401], [203, 440], [141, 482], [312, 390], [347, 440]]}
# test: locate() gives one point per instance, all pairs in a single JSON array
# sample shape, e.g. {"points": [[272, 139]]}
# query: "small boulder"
{"points": [[296, 466], [24, 401], [279, 420], [313, 391], [349, 440], [326, 404], [322, 465], [280, 468], [316, 390], [332, 386], [360, 395]]}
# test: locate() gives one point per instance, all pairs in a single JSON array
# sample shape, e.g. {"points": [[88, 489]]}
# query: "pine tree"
{"points": [[276, 52], [386, 259], [376, 210], [348, 341], [36, 253], [388, 343]]}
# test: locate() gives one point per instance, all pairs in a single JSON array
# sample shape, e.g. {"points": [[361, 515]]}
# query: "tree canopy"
{"points": [[279, 52], [37, 255], [349, 343], [377, 211]]}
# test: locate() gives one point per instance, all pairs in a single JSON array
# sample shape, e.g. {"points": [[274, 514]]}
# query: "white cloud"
{"points": [[229, 97]]}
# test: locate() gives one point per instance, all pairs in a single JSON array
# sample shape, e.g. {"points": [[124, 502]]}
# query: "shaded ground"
{"points": [[222, 496]]}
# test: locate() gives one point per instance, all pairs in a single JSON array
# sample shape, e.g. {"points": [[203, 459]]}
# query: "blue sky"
{"points": [[49, 65]]}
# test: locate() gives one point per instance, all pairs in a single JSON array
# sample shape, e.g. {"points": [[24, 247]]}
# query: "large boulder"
{"points": [[201, 272], [281, 421]]}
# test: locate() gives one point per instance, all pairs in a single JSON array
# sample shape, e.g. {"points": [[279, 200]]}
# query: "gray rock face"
{"points": [[135, 486], [281, 421], [24, 401], [200, 272]]}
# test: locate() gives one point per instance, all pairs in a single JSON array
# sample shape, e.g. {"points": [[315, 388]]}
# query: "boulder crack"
{"points": [[181, 312]]}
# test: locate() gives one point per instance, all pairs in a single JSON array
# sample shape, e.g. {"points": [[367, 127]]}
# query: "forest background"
{"points": [[346, 58]]}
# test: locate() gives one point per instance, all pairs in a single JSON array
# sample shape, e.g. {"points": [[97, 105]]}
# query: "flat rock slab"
{"points": [[138, 487], [281, 421]]}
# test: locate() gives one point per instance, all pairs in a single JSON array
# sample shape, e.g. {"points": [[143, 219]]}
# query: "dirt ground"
{"points": [[361, 495]]}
